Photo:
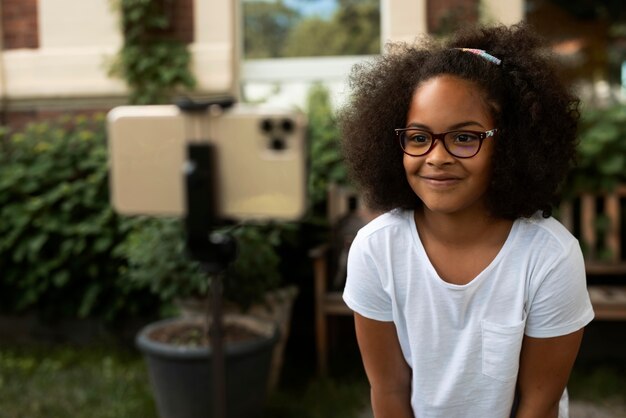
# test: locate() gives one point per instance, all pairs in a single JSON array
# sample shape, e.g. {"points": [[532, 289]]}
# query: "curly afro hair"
{"points": [[536, 117]]}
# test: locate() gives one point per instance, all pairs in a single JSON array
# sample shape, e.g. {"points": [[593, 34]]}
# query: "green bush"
{"points": [[256, 269], [326, 160], [58, 231], [153, 64], [158, 261], [601, 152]]}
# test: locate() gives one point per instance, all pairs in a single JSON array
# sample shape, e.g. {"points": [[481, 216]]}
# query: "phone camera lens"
{"points": [[267, 125], [287, 125], [278, 144]]}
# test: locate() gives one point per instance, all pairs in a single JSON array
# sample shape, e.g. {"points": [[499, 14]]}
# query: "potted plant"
{"points": [[157, 260]]}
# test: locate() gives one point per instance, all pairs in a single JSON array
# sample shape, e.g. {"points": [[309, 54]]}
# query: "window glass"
{"points": [[310, 28]]}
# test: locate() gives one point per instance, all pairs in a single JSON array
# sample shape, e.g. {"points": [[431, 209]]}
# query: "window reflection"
{"points": [[310, 28]]}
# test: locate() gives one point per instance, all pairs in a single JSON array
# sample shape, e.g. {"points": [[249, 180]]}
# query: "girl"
{"points": [[469, 299]]}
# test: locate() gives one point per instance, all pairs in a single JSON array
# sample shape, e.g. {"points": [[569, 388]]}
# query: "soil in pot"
{"points": [[196, 335]]}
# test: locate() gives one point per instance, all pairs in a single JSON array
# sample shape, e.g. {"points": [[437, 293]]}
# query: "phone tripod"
{"points": [[214, 250]]}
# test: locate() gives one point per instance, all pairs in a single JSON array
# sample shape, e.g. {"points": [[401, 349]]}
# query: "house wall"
{"points": [[54, 57], [55, 54]]}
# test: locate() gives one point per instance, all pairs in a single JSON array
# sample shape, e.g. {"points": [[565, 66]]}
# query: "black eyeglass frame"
{"points": [[441, 137]]}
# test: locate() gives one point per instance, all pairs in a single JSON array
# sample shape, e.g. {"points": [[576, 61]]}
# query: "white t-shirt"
{"points": [[463, 342]]}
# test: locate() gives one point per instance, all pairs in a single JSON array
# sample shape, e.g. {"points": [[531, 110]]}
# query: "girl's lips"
{"points": [[441, 181]]}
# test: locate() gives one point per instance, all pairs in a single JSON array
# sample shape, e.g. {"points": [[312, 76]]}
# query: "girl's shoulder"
{"points": [[549, 231], [388, 222]]}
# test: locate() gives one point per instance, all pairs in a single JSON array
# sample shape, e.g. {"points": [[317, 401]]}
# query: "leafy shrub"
{"points": [[153, 64], [601, 165], [154, 71], [158, 261], [601, 152], [257, 267], [326, 160], [58, 231]]}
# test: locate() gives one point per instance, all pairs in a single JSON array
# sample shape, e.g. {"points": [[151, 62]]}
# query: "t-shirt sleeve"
{"points": [[560, 304], [364, 292]]}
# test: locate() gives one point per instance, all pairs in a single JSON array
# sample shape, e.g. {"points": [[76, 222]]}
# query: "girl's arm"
{"points": [[388, 373], [545, 366]]}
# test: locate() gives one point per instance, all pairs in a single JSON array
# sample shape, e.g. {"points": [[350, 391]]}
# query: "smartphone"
{"points": [[260, 159]]}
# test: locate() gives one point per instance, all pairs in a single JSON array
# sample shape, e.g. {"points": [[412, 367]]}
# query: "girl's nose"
{"points": [[439, 155]]}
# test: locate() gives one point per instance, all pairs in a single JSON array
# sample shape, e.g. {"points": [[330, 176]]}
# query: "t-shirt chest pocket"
{"points": [[502, 345]]}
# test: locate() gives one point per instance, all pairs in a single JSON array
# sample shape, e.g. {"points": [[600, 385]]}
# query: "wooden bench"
{"points": [[598, 221], [329, 263]]}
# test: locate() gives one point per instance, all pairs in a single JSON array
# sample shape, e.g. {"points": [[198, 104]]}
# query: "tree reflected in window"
{"points": [[310, 28]]}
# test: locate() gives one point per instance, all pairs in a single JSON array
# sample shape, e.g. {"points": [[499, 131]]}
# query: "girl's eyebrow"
{"points": [[451, 128]]}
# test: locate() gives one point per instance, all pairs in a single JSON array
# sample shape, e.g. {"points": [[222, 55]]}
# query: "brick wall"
{"points": [[444, 16], [19, 24], [181, 17]]}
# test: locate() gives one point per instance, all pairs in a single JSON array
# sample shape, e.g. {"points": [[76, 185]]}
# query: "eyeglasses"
{"points": [[460, 144]]}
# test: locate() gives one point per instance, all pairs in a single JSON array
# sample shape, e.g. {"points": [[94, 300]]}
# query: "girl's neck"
{"points": [[460, 229]]}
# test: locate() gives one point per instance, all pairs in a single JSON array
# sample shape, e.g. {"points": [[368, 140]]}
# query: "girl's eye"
{"points": [[465, 137], [419, 137]]}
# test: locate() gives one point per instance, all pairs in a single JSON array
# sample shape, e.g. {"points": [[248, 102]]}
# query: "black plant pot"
{"points": [[181, 377]]}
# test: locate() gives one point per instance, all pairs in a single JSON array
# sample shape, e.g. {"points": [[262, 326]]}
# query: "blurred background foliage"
{"points": [[157, 261], [64, 252], [601, 164], [326, 163], [58, 232], [153, 63]]}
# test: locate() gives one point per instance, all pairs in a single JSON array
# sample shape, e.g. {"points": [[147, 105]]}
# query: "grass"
{"points": [[109, 381], [38, 380], [320, 398], [62, 381]]}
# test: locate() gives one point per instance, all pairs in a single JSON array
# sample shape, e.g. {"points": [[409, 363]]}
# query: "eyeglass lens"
{"points": [[458, 143]]}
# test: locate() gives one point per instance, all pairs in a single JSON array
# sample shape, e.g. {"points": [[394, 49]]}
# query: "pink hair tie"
{"points": [[483, 54]]}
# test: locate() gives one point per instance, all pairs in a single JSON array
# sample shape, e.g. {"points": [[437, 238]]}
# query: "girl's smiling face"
{"points": [[444, 183]]}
